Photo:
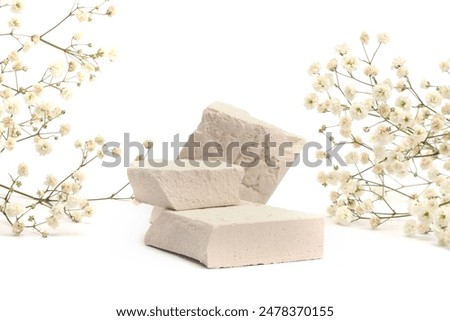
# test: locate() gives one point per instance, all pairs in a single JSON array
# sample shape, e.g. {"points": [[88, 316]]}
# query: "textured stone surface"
{"points": [[238, 235], [226, 124], [188, 187]]}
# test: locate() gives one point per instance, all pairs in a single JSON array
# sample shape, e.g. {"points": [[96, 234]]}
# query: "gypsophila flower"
{"points": [[350, 63], [14, 209], [332, 64], [64, 129], [66, 93], [17, 6], [383, 38], [364, 38], [51, 181], [311, 101], [343, 215], [433, 98], [82, 15], [323, 83], [79, 176], [381, 92], [56, 69], [22, 170], [410, 227], [52, 221], [18, 227], [111, 11], [375, 222], [314, 69], [342, 49], [10, 144], [14, 23], [43, 147], [444, 65]]}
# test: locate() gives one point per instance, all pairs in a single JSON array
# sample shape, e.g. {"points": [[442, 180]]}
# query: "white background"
{"points": [[175, 58]]}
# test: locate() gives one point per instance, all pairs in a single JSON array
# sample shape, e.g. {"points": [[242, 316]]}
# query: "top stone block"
{"points": [[230, 134]]}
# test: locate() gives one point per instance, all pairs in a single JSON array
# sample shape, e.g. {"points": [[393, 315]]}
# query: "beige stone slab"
{"points": [[238, 235], [232, 127], [188, 187]]}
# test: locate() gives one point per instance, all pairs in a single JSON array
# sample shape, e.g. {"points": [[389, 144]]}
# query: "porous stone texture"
{"points": [[188, 187], [238, 235], [232, 127]]}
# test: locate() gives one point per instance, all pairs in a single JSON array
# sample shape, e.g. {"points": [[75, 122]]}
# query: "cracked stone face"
{"points": [[231, 135]]}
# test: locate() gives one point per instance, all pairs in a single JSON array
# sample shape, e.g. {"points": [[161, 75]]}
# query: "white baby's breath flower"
{"points": [[14, 23], [350, 92], [111, 11], [79, 176], [364, 38], [381, 92], [43, 147], [352, 157], [50, 181], [64, 129], [424, 84], [359, 111], [78, 144], [12, 105], [398, 62], [52, 221], [57, 211], [311, 101], [383, 38], [350, 63], [82, 15], [17, 6], [10, 143], [323, 83], [100, 154], [442, 235], [444, 65], [410, 227], [56, 69], [444, 91], [99, 140], [322, 178], [374, 222], [22, 170], [332, 64], [437, 122], [433, 98], [314, 69], [18, 227], [371, 71], [14, 209], [66, 93], [343, 215], [77, 217], [342, 49], [88, 211], [402, 72]]}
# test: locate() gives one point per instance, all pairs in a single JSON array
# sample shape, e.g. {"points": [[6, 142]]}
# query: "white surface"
{"points": [[176, 57]]}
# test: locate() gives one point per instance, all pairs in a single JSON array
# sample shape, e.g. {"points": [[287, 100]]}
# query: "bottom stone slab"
{"points": [[238, 235]]}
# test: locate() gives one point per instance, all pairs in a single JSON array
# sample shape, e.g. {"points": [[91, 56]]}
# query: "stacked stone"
{"points": [[209, 204]]}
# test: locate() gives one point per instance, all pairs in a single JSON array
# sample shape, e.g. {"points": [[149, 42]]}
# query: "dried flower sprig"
{"points": [[395, 138], [29, 112]]}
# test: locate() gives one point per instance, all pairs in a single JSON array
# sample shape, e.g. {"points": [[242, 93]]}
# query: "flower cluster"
{"points": [[30, 111], [394, 139]]}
